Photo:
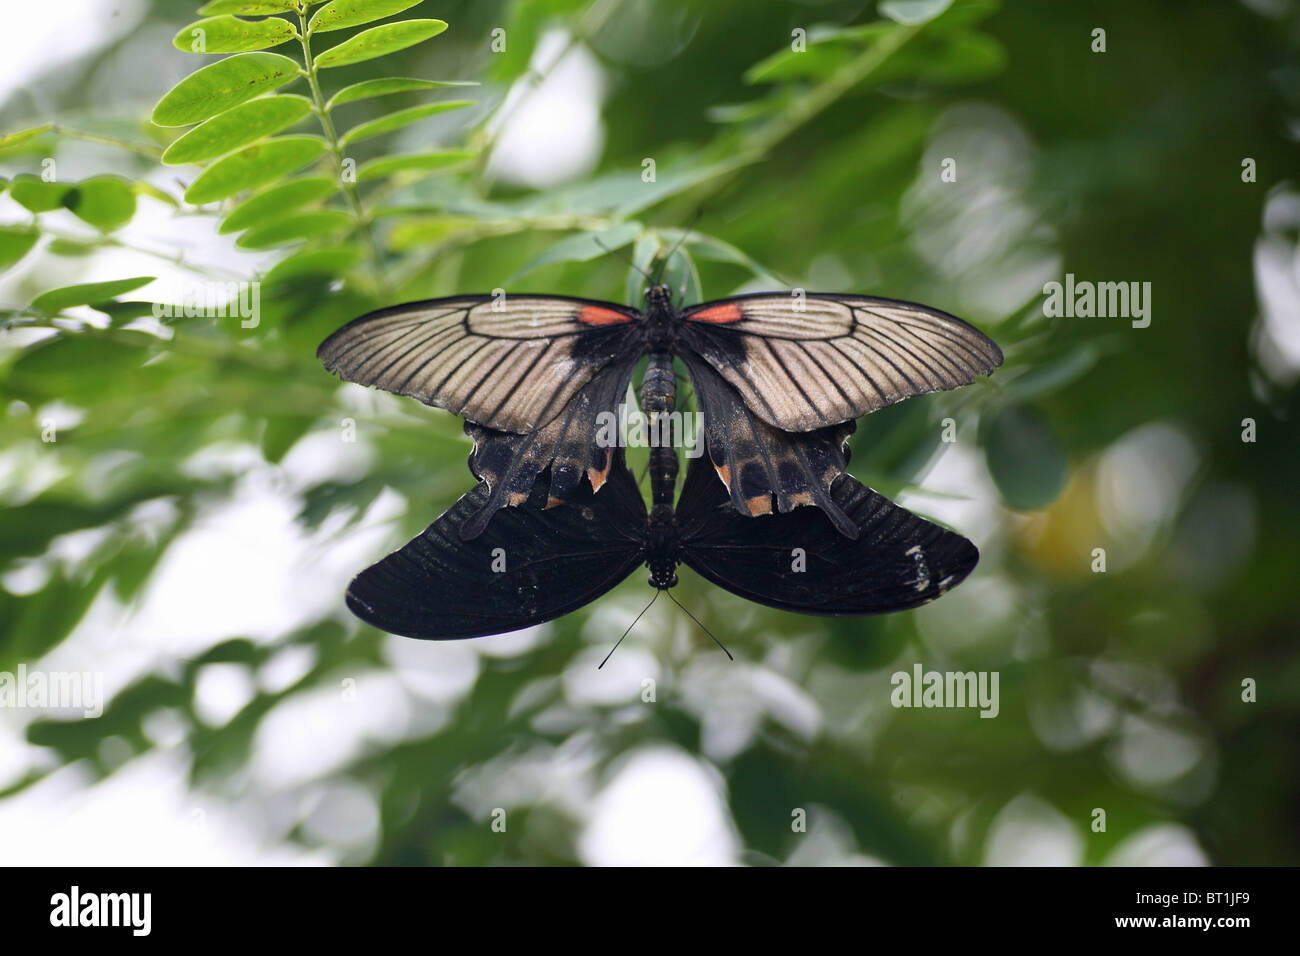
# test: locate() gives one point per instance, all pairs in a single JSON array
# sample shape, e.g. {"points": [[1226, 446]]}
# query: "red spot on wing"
{"points": [[723, 314], [596, 315]]}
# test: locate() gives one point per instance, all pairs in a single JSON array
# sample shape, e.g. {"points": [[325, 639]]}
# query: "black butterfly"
{"points": [[779, 379], [534, 563]]}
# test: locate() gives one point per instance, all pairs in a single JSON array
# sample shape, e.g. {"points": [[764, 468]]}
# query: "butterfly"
{"points": [[534, 563], [779, 379]]}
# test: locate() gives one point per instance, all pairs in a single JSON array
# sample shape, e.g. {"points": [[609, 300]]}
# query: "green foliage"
{"points": [[237, 127], [226, 83], [255, 166], [386, 86], [344, 14], [16, 242], [361, 184], [90, 293], [395, 121], [228, 34], [380, 41], [276, 200]]}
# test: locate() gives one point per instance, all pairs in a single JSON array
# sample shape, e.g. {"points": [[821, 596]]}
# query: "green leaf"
{"points": [[237, 127], [827, 51], [67, 247], [644, 251], [143, 188], [106, 202], [10, 140], [226, 83], [90, 293], [36, 195], [248, 8], [386, 85], [282, 433], [120, 313], [254, 166], [387, 165], [379, 41], [276, 201], [1024, 458], [1046, 377], [681, 276], [307, 225], [15, 242], [713, 249], [752, 109], [412, 231], [330, 262], [913, 11], [342, 14], [227, 34], [395, 121], [583, 247]]}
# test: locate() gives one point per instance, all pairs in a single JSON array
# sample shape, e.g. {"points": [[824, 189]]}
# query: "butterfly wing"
{"points": [[804, 363], [529, 565], [511, 363], [758, 463], [567, 444], [898, 561]]}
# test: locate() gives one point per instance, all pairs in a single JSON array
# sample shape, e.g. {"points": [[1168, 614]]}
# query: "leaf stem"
{"points": [[364, 224], [589, 22], [175, 258], [801, 110], [152, 152], [501, 227]]}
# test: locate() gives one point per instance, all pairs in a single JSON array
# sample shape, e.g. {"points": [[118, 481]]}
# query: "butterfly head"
{"points": [[663, 575], [658, 296]]}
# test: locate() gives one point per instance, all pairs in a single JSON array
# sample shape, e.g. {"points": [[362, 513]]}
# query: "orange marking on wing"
{"points": [[516, 498], [724, 472], [597, 476], [723, 314], [595, 315], [759, 505], [553, 502], [802, 498]]}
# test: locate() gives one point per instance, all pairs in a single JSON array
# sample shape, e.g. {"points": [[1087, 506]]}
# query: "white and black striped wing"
{"points": [[804, 363], [511, 363]]}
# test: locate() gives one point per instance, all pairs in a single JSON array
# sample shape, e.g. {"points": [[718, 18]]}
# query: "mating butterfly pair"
{"points": [[779, 380]]}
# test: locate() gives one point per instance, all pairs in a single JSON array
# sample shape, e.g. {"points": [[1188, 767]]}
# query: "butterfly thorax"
{"points": [[658, 399], [659, 320]]}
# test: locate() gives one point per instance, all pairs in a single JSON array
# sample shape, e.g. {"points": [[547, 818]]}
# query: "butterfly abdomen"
{"points": [[658, 398], [659, 387]]}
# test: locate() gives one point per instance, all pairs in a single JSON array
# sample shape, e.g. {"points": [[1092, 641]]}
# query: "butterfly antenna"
{"points": [[621, 255], [678, 244], [685, 234], [702, 627], [629, 631]]}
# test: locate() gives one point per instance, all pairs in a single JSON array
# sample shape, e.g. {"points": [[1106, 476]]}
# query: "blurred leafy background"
{"points": [[209, 489]]}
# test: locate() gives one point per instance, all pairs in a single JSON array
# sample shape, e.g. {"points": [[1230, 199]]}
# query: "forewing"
{"points": [[760, 465], [806, 362], [800, 562], [510, 363], [530, 564]]}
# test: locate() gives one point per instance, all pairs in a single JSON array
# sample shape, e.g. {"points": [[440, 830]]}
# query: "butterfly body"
{"points": [[659, 320]]}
